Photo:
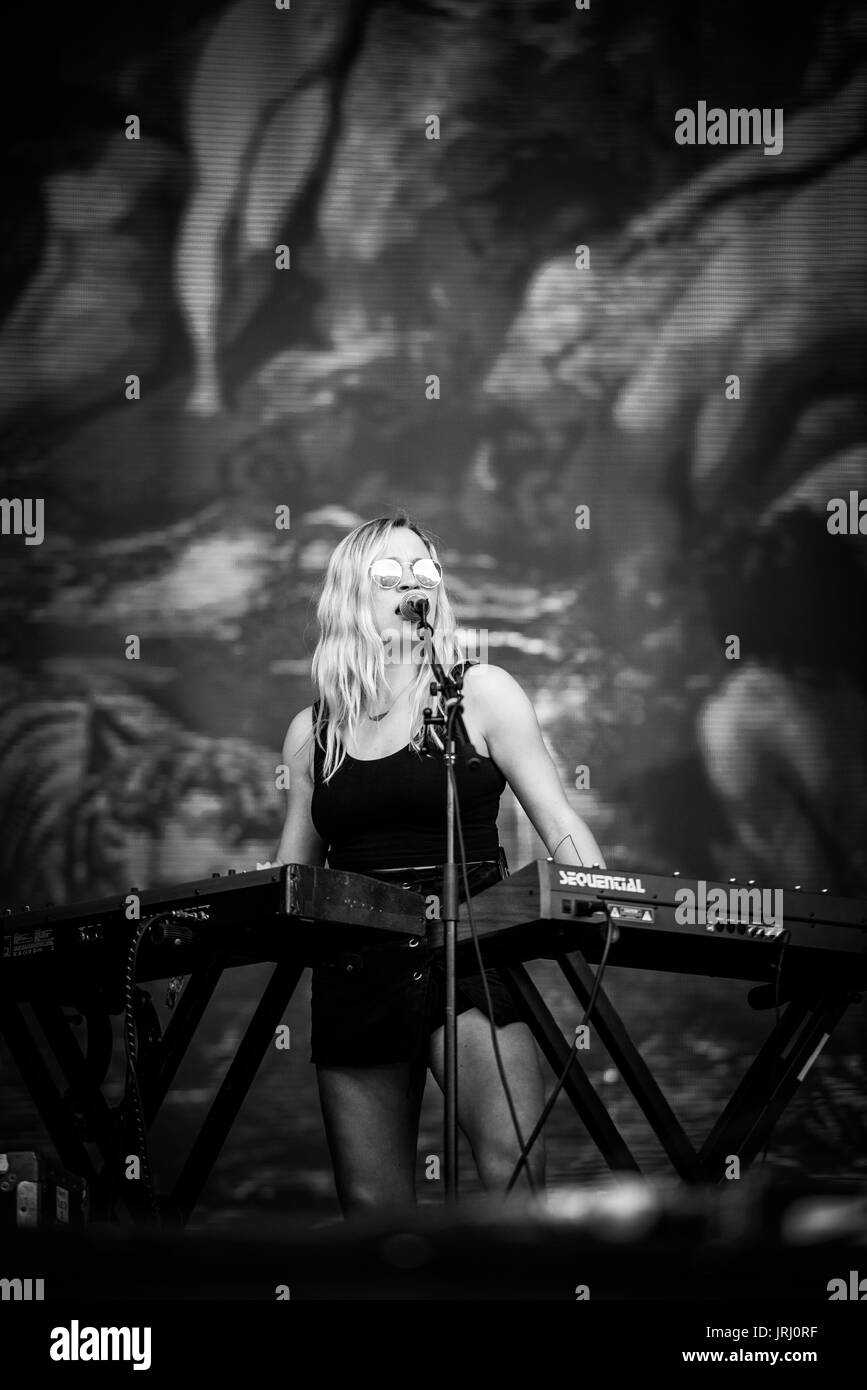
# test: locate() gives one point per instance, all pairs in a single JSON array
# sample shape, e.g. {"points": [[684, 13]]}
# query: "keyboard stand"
{"points": [[772, 1079], [279, 915], [83, 1116], [748, 1119]]}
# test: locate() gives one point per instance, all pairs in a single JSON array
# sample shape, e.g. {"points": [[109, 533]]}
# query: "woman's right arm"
{"points": [[299, 842]]}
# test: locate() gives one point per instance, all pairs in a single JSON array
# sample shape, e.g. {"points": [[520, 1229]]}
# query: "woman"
{"points": [[363, 796]]}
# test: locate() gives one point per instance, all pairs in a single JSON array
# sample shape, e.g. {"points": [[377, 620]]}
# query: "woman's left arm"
{"points": [[515, 743]]}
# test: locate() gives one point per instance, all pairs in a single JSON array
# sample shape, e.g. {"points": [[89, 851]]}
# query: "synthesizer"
{"points": [[657, 922], [670, 923], [260, 915]]}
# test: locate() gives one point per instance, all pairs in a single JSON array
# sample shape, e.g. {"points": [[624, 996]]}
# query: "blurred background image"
{"points": [[305, 385]]}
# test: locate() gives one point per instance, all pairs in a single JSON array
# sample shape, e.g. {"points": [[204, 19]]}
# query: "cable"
{"points": [[561, 1080], [132, 1089]]}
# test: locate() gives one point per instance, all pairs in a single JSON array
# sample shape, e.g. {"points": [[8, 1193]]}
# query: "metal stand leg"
{"points": [[592, 1112], [54, 1112], [60, 1114], [771, 1081], [632, 1066], [750, 1114], [236, 1083]]}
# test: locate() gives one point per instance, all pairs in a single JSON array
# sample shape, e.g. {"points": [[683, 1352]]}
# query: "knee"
{"points": [[496, 1163], [356, 1201], [360, 1196]]}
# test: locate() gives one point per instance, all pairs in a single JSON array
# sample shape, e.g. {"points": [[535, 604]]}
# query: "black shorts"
{"points": [[381, 1003]]}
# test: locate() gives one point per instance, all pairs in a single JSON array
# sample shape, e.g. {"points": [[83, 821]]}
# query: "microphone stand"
{"points": [[455, 735]]}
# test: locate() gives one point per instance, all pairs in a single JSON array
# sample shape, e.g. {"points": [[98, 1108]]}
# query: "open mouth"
{"points": [[414, 594]]}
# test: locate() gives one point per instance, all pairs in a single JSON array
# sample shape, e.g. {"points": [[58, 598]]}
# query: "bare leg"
{"points": [[371, 1119], [483, 1112]]}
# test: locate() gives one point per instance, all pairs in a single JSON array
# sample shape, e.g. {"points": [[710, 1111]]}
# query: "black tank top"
{"points": [[384, 813]]}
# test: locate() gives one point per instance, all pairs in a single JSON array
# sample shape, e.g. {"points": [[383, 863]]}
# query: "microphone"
{"points": [[414, 606]]}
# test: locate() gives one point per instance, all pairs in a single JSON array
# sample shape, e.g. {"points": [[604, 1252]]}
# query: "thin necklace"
{"points": [[376, 717]]}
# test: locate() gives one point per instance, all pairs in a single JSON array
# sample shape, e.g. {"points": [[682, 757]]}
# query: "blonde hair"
{"points": [[349, 661]]}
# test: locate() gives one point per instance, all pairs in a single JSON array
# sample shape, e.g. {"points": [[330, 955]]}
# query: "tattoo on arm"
{"points": [[571, 845]]}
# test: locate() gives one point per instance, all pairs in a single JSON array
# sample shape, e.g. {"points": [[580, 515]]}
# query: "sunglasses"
{"points": [[388, 573]]}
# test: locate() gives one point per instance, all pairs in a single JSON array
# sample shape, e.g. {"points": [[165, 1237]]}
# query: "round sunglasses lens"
{"points": [[386, 573], [428, 573]]}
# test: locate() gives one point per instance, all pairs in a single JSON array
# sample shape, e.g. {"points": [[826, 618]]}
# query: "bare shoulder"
{"points": [[492, 688], [297, 745], [485, 677]]}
